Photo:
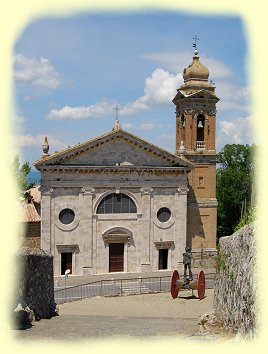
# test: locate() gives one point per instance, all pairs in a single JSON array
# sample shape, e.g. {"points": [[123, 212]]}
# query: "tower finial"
{"points": [[195, 44], [117, 124]]}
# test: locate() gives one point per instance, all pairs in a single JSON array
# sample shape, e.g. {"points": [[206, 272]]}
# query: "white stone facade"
{"points": [[80, 177]]}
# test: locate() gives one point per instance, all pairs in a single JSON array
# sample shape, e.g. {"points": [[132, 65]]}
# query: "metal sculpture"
{"points": [[176, 284], [187, 283]]}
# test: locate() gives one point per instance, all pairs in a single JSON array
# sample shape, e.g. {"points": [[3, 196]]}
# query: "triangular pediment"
{"points": [[117, 148]]}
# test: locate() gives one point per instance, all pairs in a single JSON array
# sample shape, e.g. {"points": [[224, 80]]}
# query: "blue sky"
{"points": [[70, 72]]}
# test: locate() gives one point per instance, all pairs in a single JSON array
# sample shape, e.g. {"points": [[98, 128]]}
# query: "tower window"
{"points": [[183, 121], [200, 128]]}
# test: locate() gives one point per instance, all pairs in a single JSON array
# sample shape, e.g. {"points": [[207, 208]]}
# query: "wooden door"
{"points": [[66, 262], [116, 257], [163, 258]]}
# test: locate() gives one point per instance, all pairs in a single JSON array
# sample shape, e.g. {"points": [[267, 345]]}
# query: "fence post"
{"points": [[160, 285], [121, 287], [101, 289]]}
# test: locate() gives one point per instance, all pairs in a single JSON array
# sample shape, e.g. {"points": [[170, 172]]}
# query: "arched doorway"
{"points": [[117, 239]]}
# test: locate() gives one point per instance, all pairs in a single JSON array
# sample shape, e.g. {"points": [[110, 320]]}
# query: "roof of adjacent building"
{"points": [[28, 213], [34, 193]]}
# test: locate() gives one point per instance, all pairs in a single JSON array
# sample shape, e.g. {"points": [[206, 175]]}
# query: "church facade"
{"points": [[117, 203]]}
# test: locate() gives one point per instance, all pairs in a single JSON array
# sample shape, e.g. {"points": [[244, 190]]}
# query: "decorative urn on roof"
{"points": [[45, 147]]}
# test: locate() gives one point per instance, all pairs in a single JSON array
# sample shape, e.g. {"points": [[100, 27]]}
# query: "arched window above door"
{"points": [[116, 203]]}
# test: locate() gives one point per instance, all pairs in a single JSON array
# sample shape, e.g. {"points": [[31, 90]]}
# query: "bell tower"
{"points": [[195, 140]]}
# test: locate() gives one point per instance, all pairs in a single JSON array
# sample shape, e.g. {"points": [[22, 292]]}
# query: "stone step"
{"points": [[134, 287]]}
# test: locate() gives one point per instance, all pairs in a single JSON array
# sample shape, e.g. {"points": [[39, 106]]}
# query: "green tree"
{"points": [[21, 172], [234, 184]]}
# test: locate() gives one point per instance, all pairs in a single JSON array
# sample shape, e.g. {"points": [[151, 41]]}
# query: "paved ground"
{"points": [[141, 316]]}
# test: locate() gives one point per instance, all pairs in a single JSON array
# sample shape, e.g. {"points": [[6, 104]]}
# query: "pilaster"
{"points": [[46, 242], [86, 229], [146, 194]]}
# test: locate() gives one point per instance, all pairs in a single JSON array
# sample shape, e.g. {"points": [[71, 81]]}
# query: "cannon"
{"points": [[176, 284]]}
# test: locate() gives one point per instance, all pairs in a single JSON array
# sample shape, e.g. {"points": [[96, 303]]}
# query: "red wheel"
{"points": [[201, 285], [173, 288]]}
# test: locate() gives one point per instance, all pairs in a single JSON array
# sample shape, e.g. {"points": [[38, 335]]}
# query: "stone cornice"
{"points": [[146, 190], [88, 191], [63, 169], [203, 202]]}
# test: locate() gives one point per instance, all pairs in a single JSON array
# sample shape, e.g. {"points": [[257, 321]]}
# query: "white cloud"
{"points": [[18, 119], [127, 125], [217, 69], [39, 72], [29, 140], [177, 61], [233, 96], [159, 89], [236, 131], [170, 137], [147, 126], [102, 108]]}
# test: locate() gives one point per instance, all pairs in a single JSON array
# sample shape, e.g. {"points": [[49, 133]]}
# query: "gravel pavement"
{"points": [[142, 316]]}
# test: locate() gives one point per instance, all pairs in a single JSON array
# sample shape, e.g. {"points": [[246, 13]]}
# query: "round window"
{"points": [[66, 216], [163, 214]]}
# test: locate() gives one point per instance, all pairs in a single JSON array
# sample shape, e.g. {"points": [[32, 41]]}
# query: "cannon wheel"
{"points": [[173, 287], [201, 285]]}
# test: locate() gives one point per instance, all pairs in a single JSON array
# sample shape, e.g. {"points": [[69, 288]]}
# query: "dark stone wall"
{"points": [[35, 283]]}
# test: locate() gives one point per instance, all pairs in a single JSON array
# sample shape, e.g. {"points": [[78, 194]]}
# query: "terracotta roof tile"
{"points": [[28, 213]]}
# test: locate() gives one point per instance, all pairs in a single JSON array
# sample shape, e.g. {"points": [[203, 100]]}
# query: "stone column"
{"points": [[207, 145], [194, 132], [46, 237], [86, 229], [146, 229]]}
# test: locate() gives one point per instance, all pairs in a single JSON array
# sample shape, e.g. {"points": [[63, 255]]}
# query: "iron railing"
{"points": [[114, 287]]}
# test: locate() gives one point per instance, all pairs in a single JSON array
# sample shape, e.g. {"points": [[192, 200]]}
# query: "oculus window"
{"points": [[163, 214], [66, 216], [116, 203]]}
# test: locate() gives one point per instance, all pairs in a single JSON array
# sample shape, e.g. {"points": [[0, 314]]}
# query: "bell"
{"points": [[200, 124]]}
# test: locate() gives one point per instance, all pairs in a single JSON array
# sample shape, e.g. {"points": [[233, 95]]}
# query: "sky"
{"points": [[71, 72]]}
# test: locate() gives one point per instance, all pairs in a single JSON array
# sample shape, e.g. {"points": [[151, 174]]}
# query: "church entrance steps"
{"points": [[117, 287], [75, 280], [135, 288]]}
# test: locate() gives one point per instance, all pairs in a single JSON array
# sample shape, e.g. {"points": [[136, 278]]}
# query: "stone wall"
{"points": [[33, 229], [235, 284], [31, 242], [204, 258], [35, 282]]}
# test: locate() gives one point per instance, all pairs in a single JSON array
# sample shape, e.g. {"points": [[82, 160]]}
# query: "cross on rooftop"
{"points": [[195, 41], [117, 109]]}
